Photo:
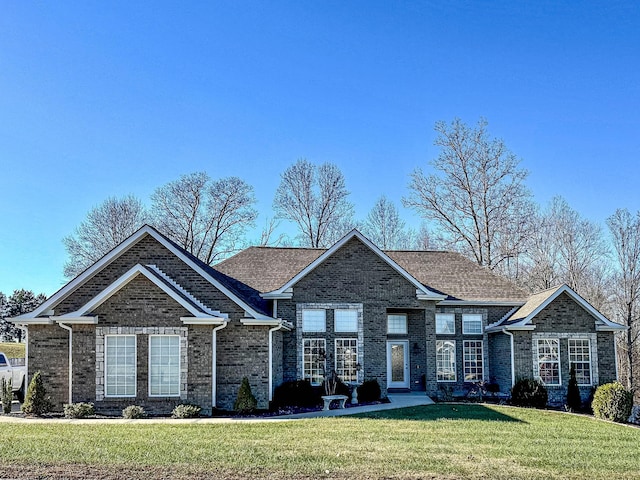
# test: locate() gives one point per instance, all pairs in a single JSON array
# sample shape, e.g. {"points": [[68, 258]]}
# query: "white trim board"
{"points": [[422, 292], [69, 288]]}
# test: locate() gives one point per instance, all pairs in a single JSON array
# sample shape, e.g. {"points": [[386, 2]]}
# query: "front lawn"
{"points": [[439, 441], [12, 349]]}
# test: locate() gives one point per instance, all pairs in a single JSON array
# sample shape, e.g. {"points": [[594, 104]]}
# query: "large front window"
{"points": [[446, 360], [549, 360], [580, 359], [347, 359], [164, 365], [120, 365], [314, 358], [473, 361], [314, 320]]}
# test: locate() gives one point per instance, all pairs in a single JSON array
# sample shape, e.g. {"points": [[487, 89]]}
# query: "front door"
{"points": [[398, 364]]}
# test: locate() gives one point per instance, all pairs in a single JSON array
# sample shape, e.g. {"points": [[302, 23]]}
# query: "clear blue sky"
{"points": [[110, 98]]}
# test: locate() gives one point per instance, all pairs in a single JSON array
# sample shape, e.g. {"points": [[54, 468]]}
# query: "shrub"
{"points": [[133, 412], [246, 402], [612, 402], [78, 410], [528, 392], [297, 393], [445, 393], [36, 401], [369, 391], [186, 410], [6, 395], [574, 402], [335, 386]]}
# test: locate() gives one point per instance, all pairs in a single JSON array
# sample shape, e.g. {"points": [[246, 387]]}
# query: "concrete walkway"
{"points": [[397, 400]]}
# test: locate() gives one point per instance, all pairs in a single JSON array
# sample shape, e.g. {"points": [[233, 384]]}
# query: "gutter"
{"points": [[70, 330], [513, 366], [271, 330], [214, 364]]}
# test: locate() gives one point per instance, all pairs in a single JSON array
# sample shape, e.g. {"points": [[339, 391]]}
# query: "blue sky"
{"points": [[110, 98]]}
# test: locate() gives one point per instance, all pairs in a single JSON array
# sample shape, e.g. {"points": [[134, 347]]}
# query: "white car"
{"points": [[16, 374]]}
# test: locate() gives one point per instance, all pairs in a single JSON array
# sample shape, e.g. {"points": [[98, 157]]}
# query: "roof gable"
{"points": [[161, 280], [208, 274], [422, 292], [522, 317]]}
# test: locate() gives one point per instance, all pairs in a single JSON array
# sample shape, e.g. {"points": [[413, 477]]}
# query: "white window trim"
{"points": [[335, 356], [559, 362], [464, 362], [324, 312], [106, 365], [464, 332], [179, 367], [335, 323], [455, 362], [406, 323], [304, 377], [451, 315], [569, 340]]}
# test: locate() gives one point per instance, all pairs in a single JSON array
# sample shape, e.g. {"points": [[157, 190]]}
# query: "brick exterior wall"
{"points": [[356, 275], [242, 350]]}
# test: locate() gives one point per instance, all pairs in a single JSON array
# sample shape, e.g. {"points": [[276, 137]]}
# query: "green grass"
{"points": [[12, 350], [440, 441]]}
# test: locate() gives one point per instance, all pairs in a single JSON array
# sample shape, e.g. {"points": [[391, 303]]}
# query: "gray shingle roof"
{"points": [[268, 268]]}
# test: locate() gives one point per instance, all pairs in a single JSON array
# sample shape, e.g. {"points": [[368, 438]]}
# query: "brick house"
{"points": [[149, 324]]}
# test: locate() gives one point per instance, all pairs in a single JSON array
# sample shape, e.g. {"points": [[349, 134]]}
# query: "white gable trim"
{"points": [[124, 280], [602, 322], [69, 288], [422, 292]]}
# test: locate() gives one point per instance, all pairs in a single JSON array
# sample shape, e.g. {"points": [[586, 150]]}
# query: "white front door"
{"points": [[398, 364]]}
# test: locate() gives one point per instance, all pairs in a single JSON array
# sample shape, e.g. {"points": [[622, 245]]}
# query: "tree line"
{"points": [[474, 200]]}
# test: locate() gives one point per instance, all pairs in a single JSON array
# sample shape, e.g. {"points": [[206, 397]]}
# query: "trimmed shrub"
{"points": [[246, 402], [612, 402], [574, 402], [297, 393], [186, 410], [133, 411], [528, 392], [369, 391], [36, 401], [6, 395], [78, 410]]}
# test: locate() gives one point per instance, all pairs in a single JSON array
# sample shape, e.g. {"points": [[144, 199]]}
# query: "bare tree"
{"points": [[207, 218], [566, 248], [315, 198], [266, 240], [477, 198], [384, 226], [625, 232], [105, 226]]}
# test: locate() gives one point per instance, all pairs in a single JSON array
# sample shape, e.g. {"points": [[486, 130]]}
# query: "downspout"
{"points": [[615, 354], [271, 330], [70, 330], [513, 365], [214, 365]]}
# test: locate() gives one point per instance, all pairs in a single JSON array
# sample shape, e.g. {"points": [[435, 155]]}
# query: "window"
{"points": [[164, 365], [314, 357], [472, 353], [472, 324], [445, 323], [120, 365], [345, 320], [314, 320], [397, 323], [446, 360], [580, 359], [549, 360], [3, 361], [347, 359]]}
